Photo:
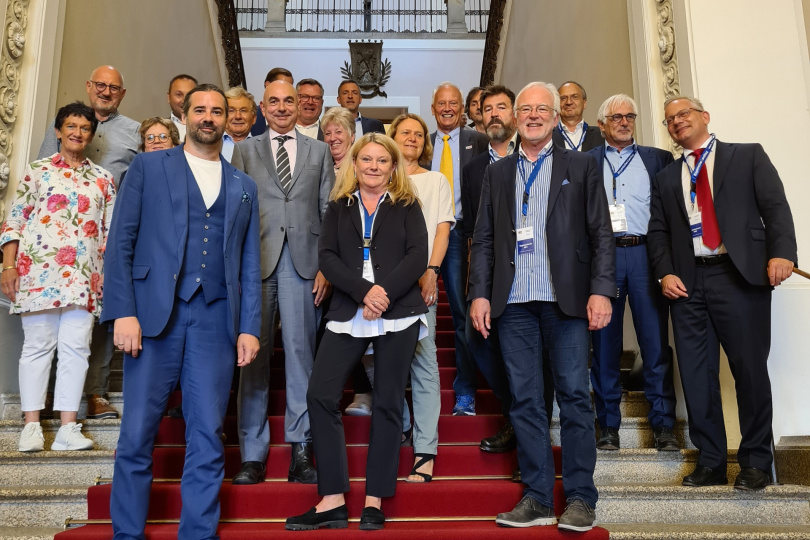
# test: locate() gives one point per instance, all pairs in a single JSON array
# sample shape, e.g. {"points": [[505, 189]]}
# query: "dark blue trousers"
{"points": [[524, 330], [650, 319], [196, 349], [454, 275]]}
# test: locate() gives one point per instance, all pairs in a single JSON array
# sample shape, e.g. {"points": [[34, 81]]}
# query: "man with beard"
{"points": [[295, 175], [183, 286], [573, 132], [113, 148], [310, 106], [179, 86]]}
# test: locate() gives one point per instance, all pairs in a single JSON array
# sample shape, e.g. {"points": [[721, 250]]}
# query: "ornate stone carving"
{"points": [[669, 56], [493, 42], [10, 60]]}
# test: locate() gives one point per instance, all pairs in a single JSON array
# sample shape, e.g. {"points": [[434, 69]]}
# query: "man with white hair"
{"points": [[543, 268], [628, 170]]}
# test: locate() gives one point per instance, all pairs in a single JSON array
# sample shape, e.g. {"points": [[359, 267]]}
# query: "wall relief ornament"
{"points": [[669, 56], [367, 69]]}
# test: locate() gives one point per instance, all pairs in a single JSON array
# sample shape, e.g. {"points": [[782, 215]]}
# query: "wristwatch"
{"points": [[435, 269]]}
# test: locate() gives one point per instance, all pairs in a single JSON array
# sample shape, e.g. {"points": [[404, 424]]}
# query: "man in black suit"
{"points": [[720, 237], [453, 147], [543, 268], [349, 97], [310, 106], [628, 170], [573, 132]]}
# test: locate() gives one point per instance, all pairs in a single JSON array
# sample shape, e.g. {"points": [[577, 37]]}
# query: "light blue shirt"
{"points": [[632, 188], [227, 145], [438, 148], [510, 149], [533, 270]]}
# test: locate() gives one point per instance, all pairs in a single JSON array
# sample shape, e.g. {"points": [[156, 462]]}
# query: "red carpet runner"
{"points": [[470, 486]]}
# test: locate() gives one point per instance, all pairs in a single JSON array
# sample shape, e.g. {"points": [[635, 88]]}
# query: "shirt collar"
{"points": [[578, 127], [59, 162], [306, 127], [628, 148], [453, 134], [176, 120], [112, 116], [510, 148], [687, 153], [273, 134], [543, 151]]}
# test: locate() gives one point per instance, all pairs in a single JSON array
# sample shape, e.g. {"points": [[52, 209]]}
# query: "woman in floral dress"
{"points": [[53, 248]]}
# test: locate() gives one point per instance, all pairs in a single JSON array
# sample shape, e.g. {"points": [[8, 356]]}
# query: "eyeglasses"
{"points": [[617, 118], [161, 137], [243, 111], [680, 115], [314, 99], [102, 87], [542, 110]]}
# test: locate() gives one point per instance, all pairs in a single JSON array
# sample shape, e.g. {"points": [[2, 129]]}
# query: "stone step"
{"points": [[29, 533], [104, 433], [41, 506], [649, 466], [656, 531], [55, 468], [669, 504]]}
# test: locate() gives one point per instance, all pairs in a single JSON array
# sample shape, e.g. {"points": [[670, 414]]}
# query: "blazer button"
{"points": [[512, 263], [286, 200], [376, 267], [282, 229], [175, 277]]}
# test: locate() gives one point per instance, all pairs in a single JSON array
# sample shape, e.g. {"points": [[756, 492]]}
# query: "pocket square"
{"points": [[469, 147], [566, 182], [245, 197]]}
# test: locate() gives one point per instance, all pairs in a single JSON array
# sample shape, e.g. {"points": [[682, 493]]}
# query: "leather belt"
{"points": [[712, 260], [627, 240]]}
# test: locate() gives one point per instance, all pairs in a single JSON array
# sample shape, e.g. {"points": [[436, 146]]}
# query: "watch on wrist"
{"points": [[436, 269]]}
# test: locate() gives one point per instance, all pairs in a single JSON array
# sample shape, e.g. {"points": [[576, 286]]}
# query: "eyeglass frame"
{"points": [[162, 136], [682, 114], [102, 87], [630, 117], [527, 109], [314, 99]]}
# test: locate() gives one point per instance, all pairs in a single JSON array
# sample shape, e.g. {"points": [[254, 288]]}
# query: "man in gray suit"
{"points": [[294, 175]]}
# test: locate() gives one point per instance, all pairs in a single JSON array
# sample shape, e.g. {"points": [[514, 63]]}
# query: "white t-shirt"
{"points": [[433, 190], [208, 175]]}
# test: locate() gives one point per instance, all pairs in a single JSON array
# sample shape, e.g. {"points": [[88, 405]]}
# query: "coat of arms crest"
{"points": [[367, 69]]}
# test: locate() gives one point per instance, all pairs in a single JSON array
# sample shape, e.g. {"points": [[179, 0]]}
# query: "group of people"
{"points": [[192, 238]]}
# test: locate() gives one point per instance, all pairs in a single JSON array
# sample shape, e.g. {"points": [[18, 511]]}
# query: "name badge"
{"points": [[618, 218], [696, 225], [368, 271], [525, 240]]}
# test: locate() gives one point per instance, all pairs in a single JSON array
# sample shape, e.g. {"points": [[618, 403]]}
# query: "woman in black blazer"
{"points": [[372, 248]]}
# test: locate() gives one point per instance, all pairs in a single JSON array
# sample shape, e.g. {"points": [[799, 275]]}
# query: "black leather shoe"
{"points": [[252, 472], [503, 441], [301, 468], [371, 519], [751, 478], [665, 440], [704, 476], [175, 412], [516, 475], [608, 439], [336, 518]]}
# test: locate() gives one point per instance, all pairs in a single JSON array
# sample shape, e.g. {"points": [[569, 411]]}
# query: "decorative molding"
{"points": [[11, 51], [493, 43], [230, 43], [669, 57]]}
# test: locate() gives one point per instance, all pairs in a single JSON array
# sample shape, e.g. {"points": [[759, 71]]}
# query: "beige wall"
{"points": [[149, 41], [595, 52]]}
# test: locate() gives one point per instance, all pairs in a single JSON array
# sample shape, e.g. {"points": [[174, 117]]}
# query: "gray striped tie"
{"points": [[283, 163]]}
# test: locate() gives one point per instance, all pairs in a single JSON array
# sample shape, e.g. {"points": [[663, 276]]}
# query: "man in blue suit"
{"points": [[628, 170], [184, 289]]}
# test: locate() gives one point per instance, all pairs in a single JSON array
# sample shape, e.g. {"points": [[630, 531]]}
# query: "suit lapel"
{"points": [[465, 154], [382, 213], [559, 166], [676, 184], [233, 197], [301, 154], [266, 156], [722, 160], [177, 177], [509, 185], [649, 162]]}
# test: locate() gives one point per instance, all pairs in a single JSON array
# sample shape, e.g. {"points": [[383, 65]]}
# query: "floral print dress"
{"points": [[61, 216]]}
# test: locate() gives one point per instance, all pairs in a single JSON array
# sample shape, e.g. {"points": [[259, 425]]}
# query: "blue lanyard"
{"points": [[532, 177], [623, 167], [368, 224], [693, 174], [568, 139]]}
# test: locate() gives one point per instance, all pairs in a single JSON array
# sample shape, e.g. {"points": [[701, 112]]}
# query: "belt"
{"points": [[711, 260], [627, 240]]}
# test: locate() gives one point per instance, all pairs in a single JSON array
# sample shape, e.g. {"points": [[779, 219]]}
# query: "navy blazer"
{"points": [[593, 138], [752, 212], [371, 125], [581, 248], [147, 243], [654, 159]]}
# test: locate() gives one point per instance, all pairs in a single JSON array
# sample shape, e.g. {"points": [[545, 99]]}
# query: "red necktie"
{"points": [[711, 230]]}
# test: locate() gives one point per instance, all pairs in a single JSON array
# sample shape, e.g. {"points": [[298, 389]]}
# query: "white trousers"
{"points": [[68, 331]]}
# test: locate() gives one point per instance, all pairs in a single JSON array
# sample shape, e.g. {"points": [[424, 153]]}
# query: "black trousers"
{"points": [[724, 309], [336, 358]]}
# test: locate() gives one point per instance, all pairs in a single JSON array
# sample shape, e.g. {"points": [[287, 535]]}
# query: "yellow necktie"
{"points": [[446, 168]]}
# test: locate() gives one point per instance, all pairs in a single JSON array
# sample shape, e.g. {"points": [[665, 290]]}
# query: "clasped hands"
{"points": [[375, 303]]}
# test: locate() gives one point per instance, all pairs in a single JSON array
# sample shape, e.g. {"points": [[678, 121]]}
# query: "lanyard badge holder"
{"points": [[368, 225], [618, 213], [568, 139], [695, 219], [525, 235]]}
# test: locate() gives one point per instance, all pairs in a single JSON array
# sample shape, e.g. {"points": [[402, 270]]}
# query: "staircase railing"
{"points": [[493, 43], [230, 43]]}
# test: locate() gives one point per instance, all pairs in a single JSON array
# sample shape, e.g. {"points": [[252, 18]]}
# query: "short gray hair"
{"points": [[339, 116], [614, 101], [237, 92], [540, 84], [694, 101]]}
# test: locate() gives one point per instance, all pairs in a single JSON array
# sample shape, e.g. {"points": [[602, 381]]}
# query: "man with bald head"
{"points": [[294, 175], [113, 147]]}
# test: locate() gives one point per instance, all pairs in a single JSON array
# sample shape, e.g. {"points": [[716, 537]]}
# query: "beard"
{"points": [[199, 136], [498, 132]]}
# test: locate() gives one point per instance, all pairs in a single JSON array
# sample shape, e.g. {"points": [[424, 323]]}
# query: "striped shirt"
{"points": [[533, 270]]}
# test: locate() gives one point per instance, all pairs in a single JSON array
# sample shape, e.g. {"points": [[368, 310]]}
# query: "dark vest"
{"points": [[204, 260]]}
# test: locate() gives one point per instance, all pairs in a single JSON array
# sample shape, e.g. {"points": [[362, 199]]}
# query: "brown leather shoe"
{"points": [[98, 407]]}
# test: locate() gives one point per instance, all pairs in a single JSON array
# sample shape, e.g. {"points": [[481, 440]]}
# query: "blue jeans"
{"points": [[454, 275], [524, 330]]}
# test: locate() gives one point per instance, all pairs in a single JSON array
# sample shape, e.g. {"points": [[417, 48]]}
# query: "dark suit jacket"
{"points": [[470, 144], [593, 138], [654, 159], [148, 239], [581, 249], [370, 125], [752, 211], [398, 251], [260, 125]]}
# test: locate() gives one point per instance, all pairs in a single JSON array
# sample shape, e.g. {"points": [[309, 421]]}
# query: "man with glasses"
{"points": [[543, 269], [241, 116], [720, 238], [573, 132], [628, 170], [114, 147], [310, 106]]}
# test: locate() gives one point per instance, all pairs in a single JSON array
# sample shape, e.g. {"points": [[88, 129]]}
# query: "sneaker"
{"points": [[360, 405], [31, 438], [69, 437], [578, 516], [465, 406], [527, 513], [99, 407], [665, 440]]}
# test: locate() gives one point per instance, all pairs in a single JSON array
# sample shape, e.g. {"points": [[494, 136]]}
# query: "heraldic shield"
{"points": [[367, 69]]}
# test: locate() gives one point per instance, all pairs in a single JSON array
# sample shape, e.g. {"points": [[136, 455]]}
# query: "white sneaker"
{"points": [[31, 439], [69, 437], [360, 406]]}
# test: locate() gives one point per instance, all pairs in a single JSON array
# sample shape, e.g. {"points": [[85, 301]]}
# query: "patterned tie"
{"points": [[711, 230], [446, 168], [283, 163]]}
